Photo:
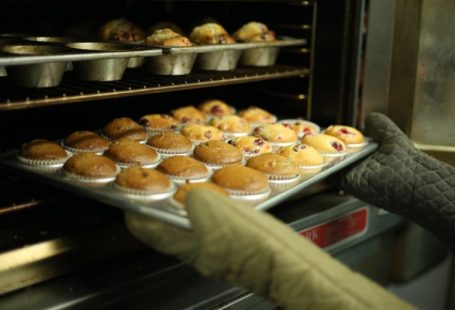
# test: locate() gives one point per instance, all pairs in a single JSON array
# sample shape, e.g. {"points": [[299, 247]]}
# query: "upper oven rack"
{"points": [[135, 83]]}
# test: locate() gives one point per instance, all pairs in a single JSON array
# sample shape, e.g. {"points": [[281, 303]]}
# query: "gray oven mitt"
{"points": [[232, 242], [403, 180]]}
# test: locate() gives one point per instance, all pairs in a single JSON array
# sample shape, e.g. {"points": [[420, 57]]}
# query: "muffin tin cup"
{"points": [[57, 163], [225, 60], [282, 179], [39, 75], [259, 57], [144, 194], [171, 64], [248, 196], [91, 180], [53, 39]]}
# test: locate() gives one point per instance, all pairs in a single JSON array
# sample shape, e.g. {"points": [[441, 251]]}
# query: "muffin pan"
{"points": [[164, 209]]}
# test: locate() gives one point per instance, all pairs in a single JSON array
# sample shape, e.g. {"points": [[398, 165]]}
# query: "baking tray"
{"points": [[280, 42], [164, 210]]}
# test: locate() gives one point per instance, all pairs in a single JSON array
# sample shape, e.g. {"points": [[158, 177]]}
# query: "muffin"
{"points": [[198, 133], [85, 141], [251, 146], [155, 123], [348, 135], [167, 37], [256, 116], [211, 33], [277, 168], [42, 152], [90, 167], [303, 155], [242, 182], [184, 168], [121, 30], [326, 144], [125, 127], [276, 133], [232, 125], [127, 152], [217, 153], [254, 32], [301, 127], [183, 190], [187, 115], [216, 107], [144, 182], [171, 143]]}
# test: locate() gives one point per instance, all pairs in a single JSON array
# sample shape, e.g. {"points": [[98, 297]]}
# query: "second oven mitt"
{"points": [[404, 180], [234, 243]]}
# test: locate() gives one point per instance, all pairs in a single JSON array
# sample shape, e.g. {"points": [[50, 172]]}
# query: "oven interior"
{"points": [[62, 250]]}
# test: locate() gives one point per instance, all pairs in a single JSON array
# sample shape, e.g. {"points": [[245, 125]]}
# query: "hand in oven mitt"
{"points": [[234, 243], [402, 179]]}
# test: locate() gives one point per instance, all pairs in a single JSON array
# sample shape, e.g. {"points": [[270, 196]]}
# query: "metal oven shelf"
{"points": [[135, 83]]}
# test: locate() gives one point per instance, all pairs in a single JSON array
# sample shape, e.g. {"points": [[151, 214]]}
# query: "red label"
{"points": [[339, 229]]}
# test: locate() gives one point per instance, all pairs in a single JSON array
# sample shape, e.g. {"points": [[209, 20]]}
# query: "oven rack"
{"points": [[135, 82]]}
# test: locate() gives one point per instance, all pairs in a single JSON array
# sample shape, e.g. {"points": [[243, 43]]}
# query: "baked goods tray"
{"points": [[67, 54], [280, 42], [165, 210]]}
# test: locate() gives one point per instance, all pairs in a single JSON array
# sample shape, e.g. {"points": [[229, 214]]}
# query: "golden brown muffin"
{"points": [[183, 167], [217, 153], [301, 127], [254, 32], [231, 124], [302, 155], [241, 178], [183, 190], [90, 165], [167, 37], [201, 133], [159, 122], [348, 135], [127, 152], [121, 30], [189, 114], [275, 133], [86, 141], [171, 141], [251, 146], [273, 165], [143, 179], [41, 149], [216, 107], [325, 143], [124, 127], [255, 115], [211, 33]]}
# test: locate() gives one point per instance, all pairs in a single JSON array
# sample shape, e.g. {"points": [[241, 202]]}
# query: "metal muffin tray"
{"points": [[165, 210]]}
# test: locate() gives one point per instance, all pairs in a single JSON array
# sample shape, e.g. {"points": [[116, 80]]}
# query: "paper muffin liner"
{"points": [[147, 165], [312, 169], [183, 180], [282, 179], [308, 123], [54, 163], [154, 131], [219, 166], [85, 179], [81, 150], [358, 145], [246, 195], [278, 145], [145, 194], [231, 135], [113, 140], [168, 153], [331, 157]]}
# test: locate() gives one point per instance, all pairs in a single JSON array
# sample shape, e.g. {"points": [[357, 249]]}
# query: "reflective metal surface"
{"points": [[263, 56], [172, 64], [218, 61]]}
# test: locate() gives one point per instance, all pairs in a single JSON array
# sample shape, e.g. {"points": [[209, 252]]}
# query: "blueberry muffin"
{"points": [[254, 32], [121, 30]]}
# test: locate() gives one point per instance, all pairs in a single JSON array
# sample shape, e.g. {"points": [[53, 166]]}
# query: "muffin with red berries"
{"points": [[251, 146], [231, 125], [349, 135], [216, 108], [301, 127], [211, 33], [199, 133], [305, 156], [256, 116], [330, 147], [255, 32], [277, 134], [157, 123], [188, 115]]}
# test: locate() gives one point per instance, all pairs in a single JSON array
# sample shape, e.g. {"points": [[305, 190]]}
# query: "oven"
{"points": [[60, 250]]}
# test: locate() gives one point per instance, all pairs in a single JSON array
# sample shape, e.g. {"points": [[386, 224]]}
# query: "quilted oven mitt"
{"points": [[234, 243], [404, 180]]}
